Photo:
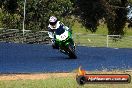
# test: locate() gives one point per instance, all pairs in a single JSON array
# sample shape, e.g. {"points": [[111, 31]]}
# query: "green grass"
{"points": [[78, 28], [101, 29], [101, 41], [99, 38], [91, 40], [56, 83], [125, 42]]}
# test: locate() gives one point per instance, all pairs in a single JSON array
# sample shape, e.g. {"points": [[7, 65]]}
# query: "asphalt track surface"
{"points": [[35, 58]]}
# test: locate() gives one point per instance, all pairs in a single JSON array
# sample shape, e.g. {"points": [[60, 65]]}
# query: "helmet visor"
{"points": [[52, 23]]}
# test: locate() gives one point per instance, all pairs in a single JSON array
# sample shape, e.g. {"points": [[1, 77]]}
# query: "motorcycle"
{"points": [[66, 44]]}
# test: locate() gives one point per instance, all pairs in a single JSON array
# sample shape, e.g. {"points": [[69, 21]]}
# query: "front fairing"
{"points": [[59, 30], [63, 38]]}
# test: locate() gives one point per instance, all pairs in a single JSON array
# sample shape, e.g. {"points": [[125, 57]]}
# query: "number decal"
{"points": [[63, 36]]}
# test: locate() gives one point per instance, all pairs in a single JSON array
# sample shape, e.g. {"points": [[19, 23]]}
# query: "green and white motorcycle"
{"points": [[63, 38]]}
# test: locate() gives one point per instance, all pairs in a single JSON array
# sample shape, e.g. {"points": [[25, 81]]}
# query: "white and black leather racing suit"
{"points": [[51, 32]]}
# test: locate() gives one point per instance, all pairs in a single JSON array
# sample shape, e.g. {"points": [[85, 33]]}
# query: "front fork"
{"points": [[65, 45], [71, 43]]}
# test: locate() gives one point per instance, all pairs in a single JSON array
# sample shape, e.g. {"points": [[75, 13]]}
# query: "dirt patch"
{"points": [[34, 76]]}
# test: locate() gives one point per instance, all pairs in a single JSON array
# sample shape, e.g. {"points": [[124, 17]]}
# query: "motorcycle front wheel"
{"points": [[71, 52]]}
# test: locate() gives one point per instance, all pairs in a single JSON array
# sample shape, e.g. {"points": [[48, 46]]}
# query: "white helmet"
{"points": [[52, 20]]}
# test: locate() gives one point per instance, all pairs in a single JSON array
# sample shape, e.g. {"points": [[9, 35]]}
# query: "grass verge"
{"points": [[68, 81]]}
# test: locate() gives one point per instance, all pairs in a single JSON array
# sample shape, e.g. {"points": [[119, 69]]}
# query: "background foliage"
{"points": [[37, 13], [88, 12], [113, 11]]}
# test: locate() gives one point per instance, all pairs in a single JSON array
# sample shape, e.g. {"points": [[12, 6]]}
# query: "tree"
{"points": [[90, 12], [37, 13], [117, 23], [113, 11], [9, 6], [9, 14]]}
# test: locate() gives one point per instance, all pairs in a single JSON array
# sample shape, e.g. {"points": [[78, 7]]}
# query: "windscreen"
{"points": [[59, 31]]}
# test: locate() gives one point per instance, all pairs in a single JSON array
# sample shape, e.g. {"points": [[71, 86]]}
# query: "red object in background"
{"points": [[83, 78]]}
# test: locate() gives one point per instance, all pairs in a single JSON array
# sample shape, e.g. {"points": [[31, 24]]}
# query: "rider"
{"points": [[54, 24]]}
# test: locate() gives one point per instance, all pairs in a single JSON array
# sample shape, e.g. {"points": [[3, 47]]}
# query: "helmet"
{"points": [[52, 20]]}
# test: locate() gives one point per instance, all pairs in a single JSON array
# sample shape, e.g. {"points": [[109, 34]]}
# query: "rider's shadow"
{"points": [[61, 57]]}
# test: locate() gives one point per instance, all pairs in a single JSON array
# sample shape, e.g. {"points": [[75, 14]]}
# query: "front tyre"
{"points": [[71, 52]]}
